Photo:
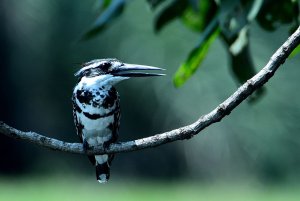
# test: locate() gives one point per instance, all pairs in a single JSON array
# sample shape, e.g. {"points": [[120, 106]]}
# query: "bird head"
{"points": [[113, 70]]}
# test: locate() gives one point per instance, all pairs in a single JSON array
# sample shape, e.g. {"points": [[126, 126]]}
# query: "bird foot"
{"points": [[106, 145], [86, 146]]}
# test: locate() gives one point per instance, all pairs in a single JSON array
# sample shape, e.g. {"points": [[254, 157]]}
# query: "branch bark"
{"points": [[182, 133]]}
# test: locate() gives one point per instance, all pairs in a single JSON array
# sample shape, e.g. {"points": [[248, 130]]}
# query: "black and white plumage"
{"points": [[96, 106]]}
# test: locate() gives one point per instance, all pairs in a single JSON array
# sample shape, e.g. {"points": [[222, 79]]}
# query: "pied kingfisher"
{"points": [[96, 106]]}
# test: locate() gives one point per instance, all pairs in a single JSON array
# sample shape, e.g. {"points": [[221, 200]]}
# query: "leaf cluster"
{"points": [[228, 20]]}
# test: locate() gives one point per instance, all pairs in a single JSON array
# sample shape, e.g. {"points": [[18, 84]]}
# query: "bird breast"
{"points": [[95, 107], [96, 100]]}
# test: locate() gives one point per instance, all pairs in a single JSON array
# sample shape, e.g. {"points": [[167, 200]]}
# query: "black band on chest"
{"points": [[98, 116]]}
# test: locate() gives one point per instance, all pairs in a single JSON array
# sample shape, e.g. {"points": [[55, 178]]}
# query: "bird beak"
{"points": [[129, 70]]}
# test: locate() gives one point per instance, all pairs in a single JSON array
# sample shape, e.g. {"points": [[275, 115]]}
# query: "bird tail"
{"points": [[103, 167], [102, 172]]}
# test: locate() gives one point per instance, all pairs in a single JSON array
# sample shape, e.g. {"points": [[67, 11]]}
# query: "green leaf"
{"points": [[102, 4], [197, 18], [236, 15], [112, 9], [273, 14], [295, 52], [254, 10], [197, 55], [241, 61], [155, 3], [169, 13], [195, 4], [232, 18]]}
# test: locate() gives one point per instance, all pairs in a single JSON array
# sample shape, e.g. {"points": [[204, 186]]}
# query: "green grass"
{"points": [[68, 188]]}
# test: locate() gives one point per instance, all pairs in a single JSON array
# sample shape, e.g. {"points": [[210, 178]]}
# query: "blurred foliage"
{"points": [[230, 18], [109, 10], [197, 55]]}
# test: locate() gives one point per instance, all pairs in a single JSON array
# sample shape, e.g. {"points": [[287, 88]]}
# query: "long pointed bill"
{"points": [[130, 70]]}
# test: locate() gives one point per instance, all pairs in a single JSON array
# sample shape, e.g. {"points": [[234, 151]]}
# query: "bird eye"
{"points": [[105, 66]]}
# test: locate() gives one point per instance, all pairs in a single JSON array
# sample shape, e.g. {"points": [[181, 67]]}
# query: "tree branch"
{"points": [[182, 133]]}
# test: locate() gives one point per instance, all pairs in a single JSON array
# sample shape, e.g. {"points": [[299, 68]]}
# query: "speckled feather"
{"points": [[96, 112]]}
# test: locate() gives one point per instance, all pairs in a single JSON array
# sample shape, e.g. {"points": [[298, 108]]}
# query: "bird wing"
{"points": [[79, 126]]}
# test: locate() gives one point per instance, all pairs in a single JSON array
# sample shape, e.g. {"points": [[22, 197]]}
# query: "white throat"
{"points": [[101, 80]]}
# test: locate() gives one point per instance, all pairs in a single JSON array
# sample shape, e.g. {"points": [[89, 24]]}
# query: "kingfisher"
{"points": [[96, 106]]}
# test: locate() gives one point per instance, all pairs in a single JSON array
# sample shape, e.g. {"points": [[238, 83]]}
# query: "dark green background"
{"points": [[41, 50]]}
